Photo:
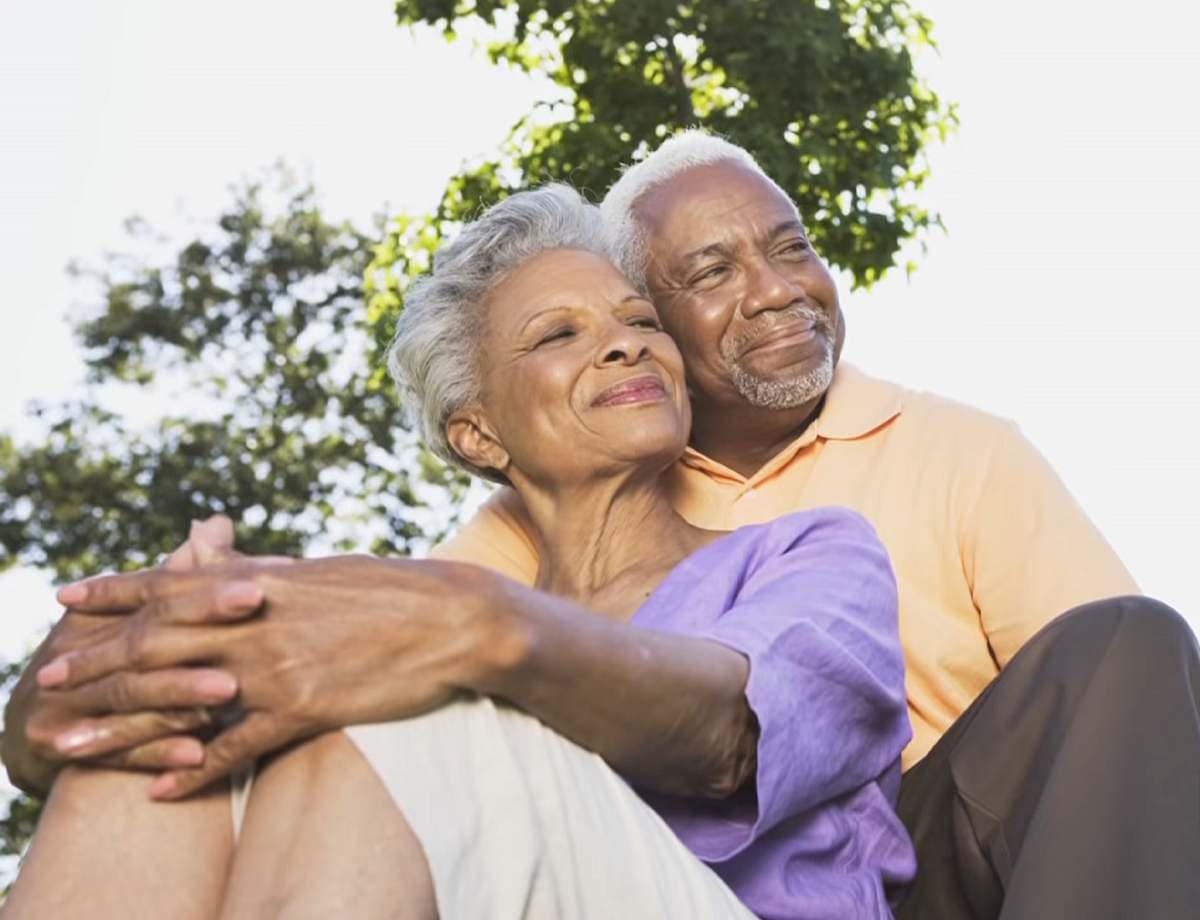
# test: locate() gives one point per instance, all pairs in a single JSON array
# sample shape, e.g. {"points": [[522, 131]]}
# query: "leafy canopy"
{"points": [[822, 92], [283, 418]]}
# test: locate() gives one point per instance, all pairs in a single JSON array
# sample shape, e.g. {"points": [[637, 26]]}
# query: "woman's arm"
{"points": [[667, 711], [354, 639], [790, 675]]}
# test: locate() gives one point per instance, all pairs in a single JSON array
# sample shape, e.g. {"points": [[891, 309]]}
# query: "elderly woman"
{"points": [[748, 686]]}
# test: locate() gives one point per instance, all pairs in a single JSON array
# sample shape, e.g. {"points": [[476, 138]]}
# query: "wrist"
{"points": [[499, 632]]}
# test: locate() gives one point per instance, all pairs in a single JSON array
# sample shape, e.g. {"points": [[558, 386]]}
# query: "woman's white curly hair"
{"points": [[433, 357]]}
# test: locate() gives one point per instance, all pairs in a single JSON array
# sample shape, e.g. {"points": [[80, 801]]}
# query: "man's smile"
{"points": [[786, 335]]}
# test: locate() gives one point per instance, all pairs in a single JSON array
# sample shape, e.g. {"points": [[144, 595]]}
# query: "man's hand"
{"points": [[133, 721], [336, 642]]}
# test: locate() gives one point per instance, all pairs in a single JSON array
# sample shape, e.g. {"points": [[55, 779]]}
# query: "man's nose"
{"points": [[767, 288]]}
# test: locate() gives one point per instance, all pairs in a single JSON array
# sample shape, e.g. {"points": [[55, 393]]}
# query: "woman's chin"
{"points": [[653, 451]]}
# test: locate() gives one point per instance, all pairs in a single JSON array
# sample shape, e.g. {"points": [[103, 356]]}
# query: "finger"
{"points": [[107, 593], [210, 599], [170, 753], [212, 540], [234, 749], [103, 736], [182, 557], [138, 691], [141, 646]]}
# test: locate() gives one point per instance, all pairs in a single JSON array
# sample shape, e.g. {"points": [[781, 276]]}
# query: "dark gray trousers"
{"points": [[1070, 790]]}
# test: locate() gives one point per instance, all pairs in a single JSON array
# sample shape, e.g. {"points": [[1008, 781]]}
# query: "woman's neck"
{"points": [[612, 539]]}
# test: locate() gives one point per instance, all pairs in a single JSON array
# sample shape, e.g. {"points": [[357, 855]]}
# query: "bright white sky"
{"points": [[1060, 295]]}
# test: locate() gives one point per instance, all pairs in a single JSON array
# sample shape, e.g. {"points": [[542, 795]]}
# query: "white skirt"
{"points": [[518, 822]]}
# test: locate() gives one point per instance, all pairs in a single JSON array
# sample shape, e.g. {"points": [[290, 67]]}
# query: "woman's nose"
{"points": [[623, 346]]}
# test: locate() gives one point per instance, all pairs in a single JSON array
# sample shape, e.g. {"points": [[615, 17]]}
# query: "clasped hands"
{"points": [[290, 648]]}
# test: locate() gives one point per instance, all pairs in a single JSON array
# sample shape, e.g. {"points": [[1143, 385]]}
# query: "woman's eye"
{"points": [[646, 322], [556, 335]]}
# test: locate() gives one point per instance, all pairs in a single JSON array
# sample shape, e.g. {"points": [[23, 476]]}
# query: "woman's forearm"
{"points": [[667, 711]]}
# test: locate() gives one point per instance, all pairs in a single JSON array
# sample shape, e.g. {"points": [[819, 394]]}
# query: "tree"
{"points": [[823, 92], [255, 331], [290, 426]]}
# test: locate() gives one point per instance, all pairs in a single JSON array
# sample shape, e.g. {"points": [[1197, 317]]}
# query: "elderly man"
{"points": [[1044, 745], [1053, 770]]}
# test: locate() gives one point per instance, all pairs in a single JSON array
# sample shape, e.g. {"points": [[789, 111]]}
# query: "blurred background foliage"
{"points": [[252, 350]]}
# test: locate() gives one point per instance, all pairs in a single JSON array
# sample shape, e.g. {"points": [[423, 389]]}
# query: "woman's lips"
{"points": [[636, 390]]}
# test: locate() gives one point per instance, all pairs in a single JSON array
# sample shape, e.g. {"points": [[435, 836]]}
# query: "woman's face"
{"points": [[578, 377]]}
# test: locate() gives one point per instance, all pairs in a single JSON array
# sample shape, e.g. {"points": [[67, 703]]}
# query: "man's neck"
{"points": [[745, 438]]}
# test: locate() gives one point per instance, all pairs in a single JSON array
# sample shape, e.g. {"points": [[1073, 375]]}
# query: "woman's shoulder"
{"points": [[799, 551], [754, 546], [788, 531]]}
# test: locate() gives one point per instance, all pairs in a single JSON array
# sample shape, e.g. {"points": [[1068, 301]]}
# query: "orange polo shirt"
{"points": [[987, 543]]}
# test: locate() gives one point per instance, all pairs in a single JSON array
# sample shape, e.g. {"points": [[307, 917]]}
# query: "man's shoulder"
{"points": [[498, 536], [926, 412]]}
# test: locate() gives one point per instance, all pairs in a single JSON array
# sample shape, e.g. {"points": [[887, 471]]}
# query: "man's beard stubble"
{"points": [[784, 392]]}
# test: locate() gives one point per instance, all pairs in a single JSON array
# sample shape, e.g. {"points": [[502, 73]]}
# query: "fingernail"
{"points": [[216, 685], [74, 739], [163, 787], [54, 674], [238, 596], [186, 753], [74, 593]]}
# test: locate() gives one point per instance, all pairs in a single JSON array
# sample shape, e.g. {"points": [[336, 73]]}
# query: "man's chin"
{"points": [[796, 387]]}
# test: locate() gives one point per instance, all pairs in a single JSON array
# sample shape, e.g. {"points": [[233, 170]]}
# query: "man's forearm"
{"points": [[667, 711]]}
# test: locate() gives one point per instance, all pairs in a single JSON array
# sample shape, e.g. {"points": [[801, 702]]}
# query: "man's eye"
{"points": [[646, 322], [710, 275], [794, 248]]}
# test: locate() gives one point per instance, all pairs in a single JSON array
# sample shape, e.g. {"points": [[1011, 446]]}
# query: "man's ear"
{"points": [[472, 437]]}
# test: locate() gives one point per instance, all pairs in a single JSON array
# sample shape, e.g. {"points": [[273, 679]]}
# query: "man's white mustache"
{"points": [[767, 323]]}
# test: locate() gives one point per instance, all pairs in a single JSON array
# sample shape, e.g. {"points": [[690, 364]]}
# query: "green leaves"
{"points": [[268, 398], [822, 92]]}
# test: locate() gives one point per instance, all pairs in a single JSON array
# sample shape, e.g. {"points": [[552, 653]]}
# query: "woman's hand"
{"points": [[335, 642], [132, 721]]}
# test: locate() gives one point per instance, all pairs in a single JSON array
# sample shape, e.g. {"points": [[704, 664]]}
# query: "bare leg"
{"points": [[323, 838], [104, 849]]}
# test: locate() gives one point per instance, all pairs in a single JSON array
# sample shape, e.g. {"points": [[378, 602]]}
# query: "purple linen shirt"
{"points": [[810, 600]]}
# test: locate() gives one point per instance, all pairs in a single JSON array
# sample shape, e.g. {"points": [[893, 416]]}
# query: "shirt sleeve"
{"points": [[499, 537], [818, 623], [1029, 550]]}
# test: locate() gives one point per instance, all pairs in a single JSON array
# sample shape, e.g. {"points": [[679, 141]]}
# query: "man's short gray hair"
{"points": [[433, 356], [686, 150]]}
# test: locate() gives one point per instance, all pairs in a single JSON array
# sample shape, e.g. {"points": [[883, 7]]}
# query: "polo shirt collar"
{"points": [[855, 405]]}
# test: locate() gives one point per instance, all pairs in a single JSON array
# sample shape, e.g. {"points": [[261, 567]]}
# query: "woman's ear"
{"points": [[472, 437]]}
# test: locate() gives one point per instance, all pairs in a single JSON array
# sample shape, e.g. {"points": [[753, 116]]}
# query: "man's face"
{"points": [[753, 308]]}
